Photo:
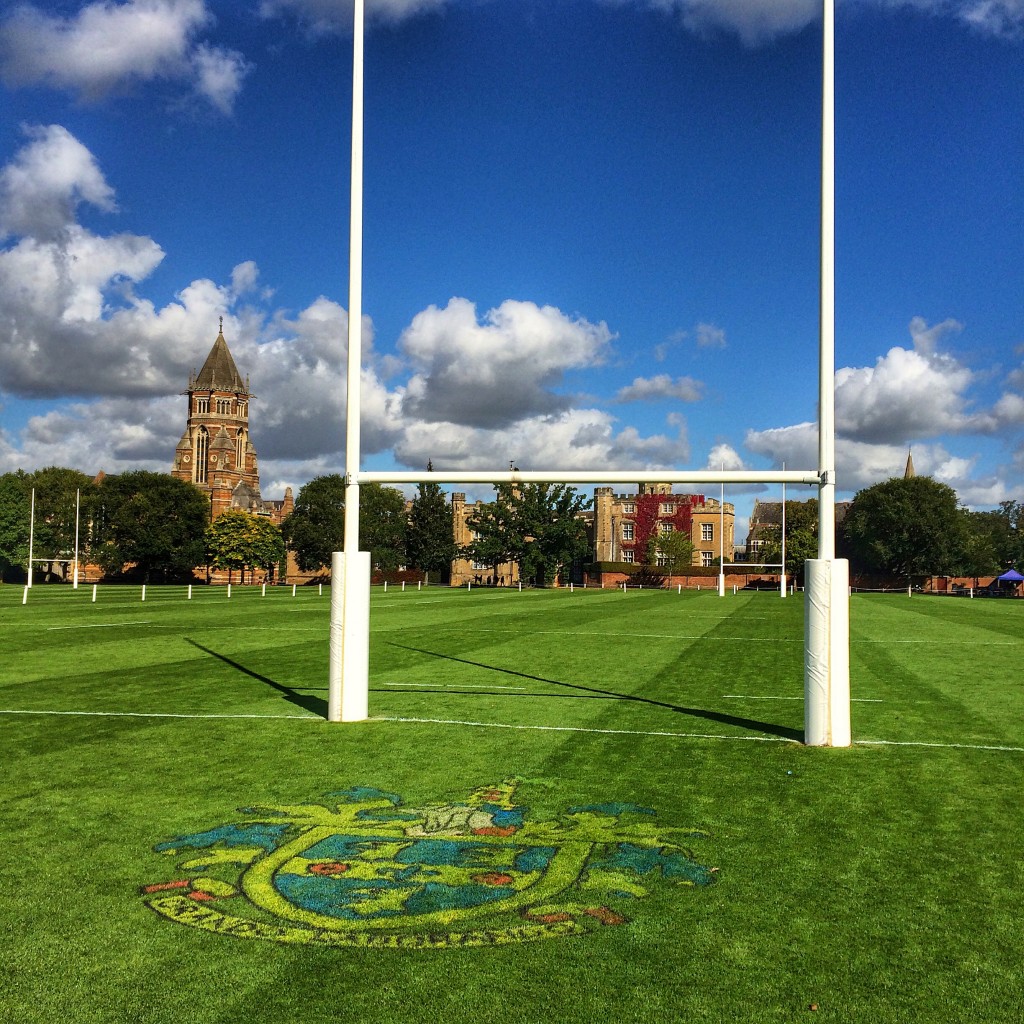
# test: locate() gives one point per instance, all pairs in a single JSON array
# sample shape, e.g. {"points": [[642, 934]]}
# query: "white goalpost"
{"points": [[826, 630]]}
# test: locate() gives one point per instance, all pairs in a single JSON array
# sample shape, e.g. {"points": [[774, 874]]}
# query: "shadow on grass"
{"points": [[590, 691], [317, 705]]}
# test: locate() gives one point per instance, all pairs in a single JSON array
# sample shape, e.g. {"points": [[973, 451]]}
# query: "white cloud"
{"points": [[710, 336], [492, 372], [724, 456], [108, 46], [324, 17], [662, 386], [42, 187], [758, 22]]}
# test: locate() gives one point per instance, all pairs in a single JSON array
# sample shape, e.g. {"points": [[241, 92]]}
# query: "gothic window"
{"points": [[241, 408], [202, 451], [223, 406], [240, 450], [202, 405]]}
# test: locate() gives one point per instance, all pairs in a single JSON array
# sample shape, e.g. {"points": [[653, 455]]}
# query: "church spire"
{"points": [[909, 471]]}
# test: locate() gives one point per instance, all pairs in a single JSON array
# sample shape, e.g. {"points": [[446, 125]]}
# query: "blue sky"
{"points": [[591, 233]]}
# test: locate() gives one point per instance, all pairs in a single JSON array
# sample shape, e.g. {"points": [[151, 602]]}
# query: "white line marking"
{"points": [[945, 746], [151, 714], [574, 728], [747, 696], [98, 625], [643, 636], [456, 686]]}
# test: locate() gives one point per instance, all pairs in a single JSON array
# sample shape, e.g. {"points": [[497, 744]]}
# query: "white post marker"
{"points": [[827, 618], [31, 534], [24, 595], [78, 506], [94, 593], [229, 590], [190, 591], [293, 590], [143, 591], [263, 590], [348, 681]]}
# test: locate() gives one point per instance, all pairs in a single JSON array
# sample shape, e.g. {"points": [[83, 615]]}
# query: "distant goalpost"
{"points": [[826, 627]]}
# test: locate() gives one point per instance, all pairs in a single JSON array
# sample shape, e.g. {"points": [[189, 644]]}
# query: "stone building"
{"points": [[216, 452], [624, 524], [619, 527]]}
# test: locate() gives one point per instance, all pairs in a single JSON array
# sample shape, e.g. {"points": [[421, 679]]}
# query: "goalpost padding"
{"points": [[827, 653], [348, 687]]}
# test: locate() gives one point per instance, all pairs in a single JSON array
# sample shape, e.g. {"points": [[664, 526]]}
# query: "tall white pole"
{"points": [[349, 640], [78, 507], [827, 617], [721, 541], [31, 534], [782, 571]]}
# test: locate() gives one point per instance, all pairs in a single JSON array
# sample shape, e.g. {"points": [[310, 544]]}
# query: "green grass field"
{"points": [[880, 883]]}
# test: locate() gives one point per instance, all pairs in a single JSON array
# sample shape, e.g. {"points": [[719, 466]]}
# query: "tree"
{"points": [[316, 527], [430, 540], [673, 551], [801, 539], [237, 540], [152, 521], [64, 498], [910, 526], [15, 512], [534, 525], [382, 519]]}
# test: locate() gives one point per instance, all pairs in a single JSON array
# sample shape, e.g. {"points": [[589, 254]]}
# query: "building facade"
{"points": [[216, 452], [624, 525]]}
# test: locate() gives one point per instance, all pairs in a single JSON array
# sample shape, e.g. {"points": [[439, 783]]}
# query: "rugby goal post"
{"points": [[826, 630]]}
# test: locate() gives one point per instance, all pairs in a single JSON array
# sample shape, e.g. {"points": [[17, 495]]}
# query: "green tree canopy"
{"points": [[430, 540], [534, 525], [14, 525], [316, 527], [673, 551], [801, 539], [909, 526], [60, 494], [152, 521], [240, 540]]}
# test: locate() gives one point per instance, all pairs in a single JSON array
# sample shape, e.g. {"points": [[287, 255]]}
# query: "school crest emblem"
{"points": [[365, 870]]}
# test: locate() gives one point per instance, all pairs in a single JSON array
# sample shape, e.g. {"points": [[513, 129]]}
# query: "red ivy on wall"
{"points": [[647, 517]]}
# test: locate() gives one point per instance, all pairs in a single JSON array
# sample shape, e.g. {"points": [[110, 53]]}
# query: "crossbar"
{"points": [[554, 476]]}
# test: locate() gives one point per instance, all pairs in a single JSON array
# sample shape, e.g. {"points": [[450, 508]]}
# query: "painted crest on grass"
{"points": [[365, 870]]}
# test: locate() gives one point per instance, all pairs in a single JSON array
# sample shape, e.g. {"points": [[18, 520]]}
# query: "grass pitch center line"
{"points": [[642, 636], [747, 696]]}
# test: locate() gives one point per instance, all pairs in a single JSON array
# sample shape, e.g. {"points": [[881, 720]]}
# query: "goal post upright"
{"points": [[827, 601], [349, 663]]}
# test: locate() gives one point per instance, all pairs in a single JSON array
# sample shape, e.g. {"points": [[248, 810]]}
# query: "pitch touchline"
{"points": [[456, 686], [98, 625]]}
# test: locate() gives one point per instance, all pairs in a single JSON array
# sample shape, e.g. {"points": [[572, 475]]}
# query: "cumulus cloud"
{"points": [[758, 22], [330, 17], [662, 386], [106, 47], [43, 186], [490, 372]]}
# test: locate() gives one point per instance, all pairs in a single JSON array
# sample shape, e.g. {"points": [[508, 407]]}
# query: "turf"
{"points": [[883, 882]]}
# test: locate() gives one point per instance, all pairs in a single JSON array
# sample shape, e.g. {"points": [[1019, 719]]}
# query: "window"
{"points": [[202, 405], [241, 408], [707, 558], [202, 450], [662, 559], [627, 531], [664, 528], [668, 508], [223, 406], [240, 450], [480, 565], [707, 531], [627, 556], [629, 508]]}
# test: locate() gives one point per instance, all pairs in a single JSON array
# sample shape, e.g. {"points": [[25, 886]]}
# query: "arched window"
{"points": [[202, 451], [240, 450]]}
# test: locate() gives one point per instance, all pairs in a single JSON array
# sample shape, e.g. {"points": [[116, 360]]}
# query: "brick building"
{"points": [[216, 452]]}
